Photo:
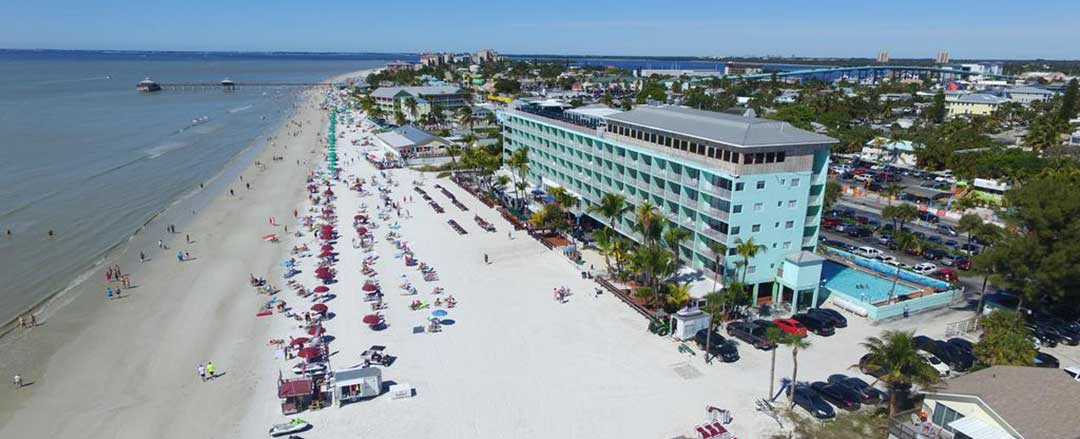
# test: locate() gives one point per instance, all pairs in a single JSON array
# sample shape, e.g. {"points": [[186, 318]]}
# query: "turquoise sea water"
{"points": [[83, 154]]}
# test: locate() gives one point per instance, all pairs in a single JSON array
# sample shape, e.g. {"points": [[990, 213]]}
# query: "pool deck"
{"points": [[920, 290]]}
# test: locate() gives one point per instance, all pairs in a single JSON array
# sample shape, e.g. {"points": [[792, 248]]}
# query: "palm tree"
{"points": [[677, 296], [648, 222], [399, 118], [376, 113], [465, 117], [611, 206], [714, 306], [747, 250], [904, 242], [896, 355], [796, 343], [891, 191], [970, 224], [653, 263], [719, 251], [410, 106], [605, 244], [673, 238], [775, 336], [519, 163]]}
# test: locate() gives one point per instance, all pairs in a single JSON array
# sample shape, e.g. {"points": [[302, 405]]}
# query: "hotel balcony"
{"points": [[714, 234], [714, 212]]}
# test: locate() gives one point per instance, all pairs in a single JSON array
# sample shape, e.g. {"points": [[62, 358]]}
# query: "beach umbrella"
{"points": [[440, 313], [316, 330], [326, 254], [369, 287], [323, 269], [327, 228], [320, 308], [372, 319], [299, 341], [326, 236], [321, 289], [308, 353], [359, 217], [327, 247], [361, 230], [324, 275]]}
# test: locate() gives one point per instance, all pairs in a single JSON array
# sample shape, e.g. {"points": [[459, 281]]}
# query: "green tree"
{"points": [[1005, 340], [833, 191], [796, 343], [674, 236], [896, 355], [775, 336], [719, 251], [465, 117], [410, 106], [648, 222], [519, 164], [747, 250], [936, 112], [1068, 102], [399, 118]]}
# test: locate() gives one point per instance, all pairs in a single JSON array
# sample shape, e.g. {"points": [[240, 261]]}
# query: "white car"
{"points": [[938, 365], [1073, 371], [888, 259], [925, 268]]}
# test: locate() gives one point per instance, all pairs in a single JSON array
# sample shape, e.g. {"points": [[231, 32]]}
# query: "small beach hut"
{"points": [[354, 384], [295, 394], [688, 321]]}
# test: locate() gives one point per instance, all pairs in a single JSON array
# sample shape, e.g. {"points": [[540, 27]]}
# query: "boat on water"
{"points": [[147, 86]]}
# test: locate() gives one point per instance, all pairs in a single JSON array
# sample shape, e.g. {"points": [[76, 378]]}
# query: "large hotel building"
{"points": [[720, 176]]}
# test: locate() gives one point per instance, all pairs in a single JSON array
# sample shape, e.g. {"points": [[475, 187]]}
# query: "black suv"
{"points": [[750, 333], [720, 347], [830, 315], [815, 324]]}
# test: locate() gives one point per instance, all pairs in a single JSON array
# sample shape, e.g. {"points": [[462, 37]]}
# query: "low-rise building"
{"points": [[1003, 402], [409, 142], [1027, 95], [392, 99], [974, 104]]}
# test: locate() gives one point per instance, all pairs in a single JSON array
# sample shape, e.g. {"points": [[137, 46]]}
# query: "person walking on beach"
{"points": [[187, 238], [142, 257], [180, 256], [17, 381], [202, 373], [210, 370], [486, 261]]}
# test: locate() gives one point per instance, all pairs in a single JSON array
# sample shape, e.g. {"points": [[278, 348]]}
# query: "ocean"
{"points": [[86, 156]]}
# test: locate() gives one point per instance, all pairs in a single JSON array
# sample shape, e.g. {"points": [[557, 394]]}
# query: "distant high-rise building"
{"points": [[942, 57], [484, 56], [883, 57]]}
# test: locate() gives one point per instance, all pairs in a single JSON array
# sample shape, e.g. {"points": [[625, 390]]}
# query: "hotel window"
{"points": [[751, 269], [789, 224], [739, 186], [734, 157], [759, 158], [794, 182], [758, 207], [736, 208], [667, 141], [755, 228], [712, 153], [787, 245], [652, 137], [747, 159], [791, 204], [734, 231], [727, 155], [770, 157], [780, 157], [761, 184]]}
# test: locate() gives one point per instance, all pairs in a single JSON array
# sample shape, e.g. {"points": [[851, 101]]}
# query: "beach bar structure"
{"points": [[355, 384], [295, 394]]}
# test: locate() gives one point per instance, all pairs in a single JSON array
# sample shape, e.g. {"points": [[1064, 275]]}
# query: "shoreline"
{"points": [[64, 315]]}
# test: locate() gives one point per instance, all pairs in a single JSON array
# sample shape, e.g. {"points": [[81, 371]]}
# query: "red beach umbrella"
{"points": [[326, 254], [327, 228], [327, 247], [328, 192], [299, 341], [369, 287], [320, 308], [321, 289], [359, 217], [326, 236], [372, 319], [309, 353], [324, 275], [361, 230], [316, 331], [323, 269]]}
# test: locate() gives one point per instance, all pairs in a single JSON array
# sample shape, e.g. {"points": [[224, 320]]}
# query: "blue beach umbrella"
{"points": [[440, 313]]}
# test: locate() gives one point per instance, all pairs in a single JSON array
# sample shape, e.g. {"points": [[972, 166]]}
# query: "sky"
{"points": [[986, 29]]}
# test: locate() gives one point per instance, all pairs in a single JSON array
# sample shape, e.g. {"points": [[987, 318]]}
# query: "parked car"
{"points": [[885, 240], [946, 275], [934, 362], [750, 333], [956, 358], [817, 325], [952, 243], [791, 326], [868, 252], [830, 222], [859, 232], [933, 254], [963, 264], [971, 248], [1045, 338], [809, 400], [839, 395], [924, 268], [935, 239], [838, 320], [948, 230], [1060, 329], [719, 346], [869, 394], [962, 344], [928, 217], [1043, 359]]}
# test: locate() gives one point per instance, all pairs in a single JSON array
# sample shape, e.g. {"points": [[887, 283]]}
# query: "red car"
{"points": [[791, 326], [946, 275], [963, 264], [830, 222]]}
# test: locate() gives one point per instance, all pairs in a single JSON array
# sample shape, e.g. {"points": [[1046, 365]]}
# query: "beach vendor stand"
{"points": [[688, 321], [354, 384], [295, 394]]}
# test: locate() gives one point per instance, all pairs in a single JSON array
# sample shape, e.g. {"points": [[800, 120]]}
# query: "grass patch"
{"points": [[846, 425]]}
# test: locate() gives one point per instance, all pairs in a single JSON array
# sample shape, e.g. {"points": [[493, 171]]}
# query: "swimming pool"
{"points": [[859, 285]]}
